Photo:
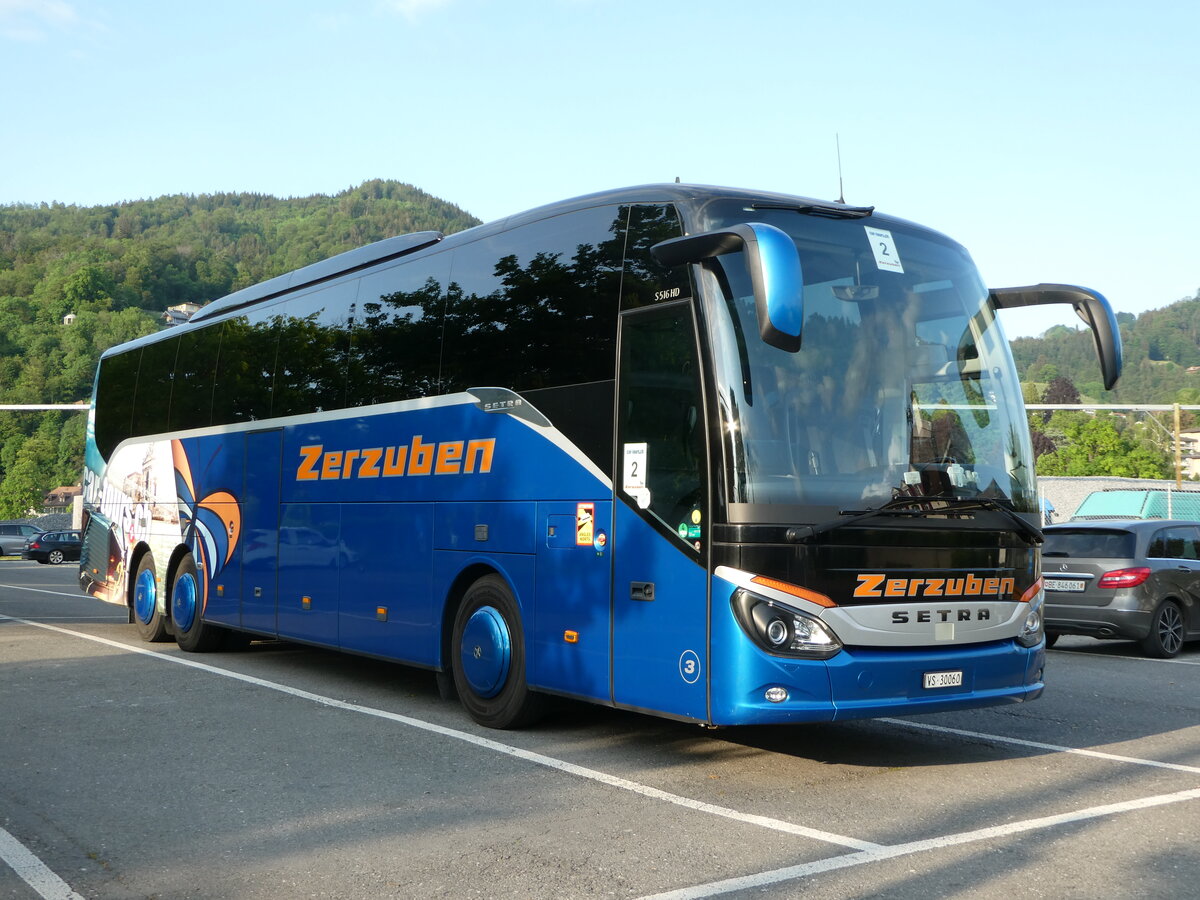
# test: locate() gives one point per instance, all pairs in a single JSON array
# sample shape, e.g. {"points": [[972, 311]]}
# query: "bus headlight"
{"points": [[783, 631], [1033, 628]]}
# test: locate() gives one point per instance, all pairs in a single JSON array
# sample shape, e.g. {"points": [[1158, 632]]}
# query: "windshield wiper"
{"points": [[917, 507]]}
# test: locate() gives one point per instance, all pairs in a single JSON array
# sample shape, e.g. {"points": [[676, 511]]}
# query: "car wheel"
{"points": [[488, 657], [151, 624], [1051, 640], [192, 633], [54, 557], [1165, 639]]}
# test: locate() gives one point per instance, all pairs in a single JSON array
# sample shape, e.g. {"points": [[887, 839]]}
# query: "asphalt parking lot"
{"points": [[133, 770]]}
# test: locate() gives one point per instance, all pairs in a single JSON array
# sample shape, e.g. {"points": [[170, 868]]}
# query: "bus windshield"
{"points": [[904, 385]]}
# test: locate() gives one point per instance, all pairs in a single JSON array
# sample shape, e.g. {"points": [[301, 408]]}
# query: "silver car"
{"points": [[13, 536], [1136, 580]]}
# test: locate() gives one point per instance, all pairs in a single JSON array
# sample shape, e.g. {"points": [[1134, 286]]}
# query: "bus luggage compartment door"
{"points": [[260, 530], [571, 630]]}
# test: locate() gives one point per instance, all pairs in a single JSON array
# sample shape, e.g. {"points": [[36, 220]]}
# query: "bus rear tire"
{"points": [[151, 624], [488, 657], [187, 611]]}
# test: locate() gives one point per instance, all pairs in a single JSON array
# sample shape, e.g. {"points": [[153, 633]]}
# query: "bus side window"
{"points": [[246, 367], [310, 369], [535, 307], [152, 403], [114, 399], [396, 332], [195, 371]]}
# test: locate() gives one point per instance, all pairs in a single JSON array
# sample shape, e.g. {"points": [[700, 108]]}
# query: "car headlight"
{"points": [[782, 630], [1033, 628]]}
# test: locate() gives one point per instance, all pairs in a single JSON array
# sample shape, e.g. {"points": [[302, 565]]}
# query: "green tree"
{"points": [[26, 481], [1094, 445], [88, 288]]}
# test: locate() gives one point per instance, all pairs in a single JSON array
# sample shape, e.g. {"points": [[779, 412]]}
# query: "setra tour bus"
{"points": [[724, 456]]}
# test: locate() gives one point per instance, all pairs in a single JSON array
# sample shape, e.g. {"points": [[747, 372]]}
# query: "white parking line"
{"points": [[791, 873], [33, 871], [73, 595], [76, 619], [486, 743], [1037, 745], [1176, 661]]}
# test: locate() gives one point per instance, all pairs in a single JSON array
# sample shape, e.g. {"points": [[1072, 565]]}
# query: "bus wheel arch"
{"points": [[143, 598], [486, 652], [454, 598]]}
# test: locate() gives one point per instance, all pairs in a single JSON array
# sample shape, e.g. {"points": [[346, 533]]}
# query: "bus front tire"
{"points": [[187, 611], [151, 624], [488, 651]]}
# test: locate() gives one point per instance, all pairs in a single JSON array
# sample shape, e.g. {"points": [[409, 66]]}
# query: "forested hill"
{"points": [[1160, 347], [118, 267], [156, 253]]}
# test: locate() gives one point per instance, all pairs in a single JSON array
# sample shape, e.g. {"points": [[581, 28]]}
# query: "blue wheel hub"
{"points": [[145, 597], [183, 601], [486, 651]]}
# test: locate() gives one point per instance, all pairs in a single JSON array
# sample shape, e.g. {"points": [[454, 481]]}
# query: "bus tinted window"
{"points": [[535, 307], [310, 368], [153, 401], [396, 339], [115, 390], [246, 368], [195, 371], [645, 279]]}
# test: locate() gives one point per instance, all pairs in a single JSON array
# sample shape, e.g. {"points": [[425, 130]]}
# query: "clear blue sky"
{"points": [[1057, 139]]}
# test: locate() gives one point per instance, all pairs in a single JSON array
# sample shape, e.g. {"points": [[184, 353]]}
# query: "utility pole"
{"points": [[1178, 451]]}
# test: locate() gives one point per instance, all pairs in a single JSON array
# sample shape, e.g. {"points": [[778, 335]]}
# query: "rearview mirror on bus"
{"points": [[1090, 305], [772, 263]]}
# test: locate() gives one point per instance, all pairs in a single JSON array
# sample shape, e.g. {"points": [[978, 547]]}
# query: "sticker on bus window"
{"points": [[884, 248], [633, 474]]}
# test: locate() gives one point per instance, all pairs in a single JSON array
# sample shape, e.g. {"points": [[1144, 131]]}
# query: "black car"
{"points": [[1135, 579], [53, 547]]}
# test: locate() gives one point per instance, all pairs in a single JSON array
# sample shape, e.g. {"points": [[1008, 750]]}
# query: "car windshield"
{"points": [[1089, 543], [904, 385]]}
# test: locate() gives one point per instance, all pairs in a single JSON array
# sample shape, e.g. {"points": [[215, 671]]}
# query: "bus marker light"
{"points": [[571, 637], [776, 694], [795, 590], [1033, 590], [381, 613], [306, 602]]}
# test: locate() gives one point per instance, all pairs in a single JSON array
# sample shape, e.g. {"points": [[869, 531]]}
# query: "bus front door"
{"points": [[660, 587]]}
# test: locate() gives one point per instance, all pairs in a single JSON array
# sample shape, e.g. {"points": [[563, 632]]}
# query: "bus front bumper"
{"points": [[861, 683]]}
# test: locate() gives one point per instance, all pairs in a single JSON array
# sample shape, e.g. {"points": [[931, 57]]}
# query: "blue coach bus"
{"points": [[724, 456]]}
